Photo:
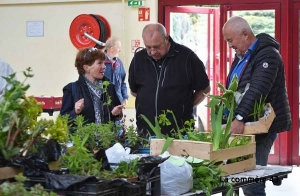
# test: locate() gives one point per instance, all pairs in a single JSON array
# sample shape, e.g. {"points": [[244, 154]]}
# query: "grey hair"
{"points": [[238, 25], [149, 29], [110, 42]]}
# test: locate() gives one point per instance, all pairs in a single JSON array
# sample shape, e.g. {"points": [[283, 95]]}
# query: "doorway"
{"points": [[208, 42]]}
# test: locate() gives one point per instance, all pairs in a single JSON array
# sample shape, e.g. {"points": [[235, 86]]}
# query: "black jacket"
{"points": [[182, 72], [82, 91], [265, 73]]}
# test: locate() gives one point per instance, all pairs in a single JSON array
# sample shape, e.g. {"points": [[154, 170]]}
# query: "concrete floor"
{"points": [[290, 186]]}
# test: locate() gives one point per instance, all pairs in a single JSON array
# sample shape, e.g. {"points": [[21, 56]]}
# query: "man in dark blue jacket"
{"points": [[165, 76], [258, 66]]}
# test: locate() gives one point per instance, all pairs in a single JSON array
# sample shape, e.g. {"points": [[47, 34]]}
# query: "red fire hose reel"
{"points": [[89, 30]]}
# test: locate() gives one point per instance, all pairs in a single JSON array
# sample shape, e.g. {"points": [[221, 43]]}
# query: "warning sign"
{"points": [[135, 44], [144, 14]]}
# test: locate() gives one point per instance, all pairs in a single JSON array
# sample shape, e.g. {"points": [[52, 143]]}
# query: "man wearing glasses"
{"points": [[165, 76]]}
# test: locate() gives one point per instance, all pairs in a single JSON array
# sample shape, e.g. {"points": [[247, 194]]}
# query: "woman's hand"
{"points": [[79, 105], [124, 102], [117, 110]]}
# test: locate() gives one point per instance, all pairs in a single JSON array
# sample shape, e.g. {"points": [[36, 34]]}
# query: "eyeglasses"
{"points": [[89, 51], [156, 48]]}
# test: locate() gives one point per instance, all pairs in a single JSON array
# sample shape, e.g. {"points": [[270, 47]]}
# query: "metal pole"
{"points": [[94, 39]]}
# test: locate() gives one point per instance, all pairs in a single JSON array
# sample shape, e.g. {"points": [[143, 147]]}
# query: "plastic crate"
{"points": [[80, 189], [134, 189], [153, 183], [149, 186]]}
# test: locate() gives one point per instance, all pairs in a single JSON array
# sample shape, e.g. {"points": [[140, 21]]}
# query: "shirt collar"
{"points": [[250, 49]]}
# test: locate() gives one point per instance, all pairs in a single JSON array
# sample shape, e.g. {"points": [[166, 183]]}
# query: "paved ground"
{"points": [[290, 186]]}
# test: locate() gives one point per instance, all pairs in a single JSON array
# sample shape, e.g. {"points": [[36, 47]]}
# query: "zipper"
{"points": [[162, 83], [158, 81]]}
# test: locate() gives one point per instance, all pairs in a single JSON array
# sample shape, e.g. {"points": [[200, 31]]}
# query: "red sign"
{"points": [[144, 14], [49, 102], [135, 44]]}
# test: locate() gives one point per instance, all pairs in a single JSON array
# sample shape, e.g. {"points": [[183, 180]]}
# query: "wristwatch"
{"points": [[239, 118]]}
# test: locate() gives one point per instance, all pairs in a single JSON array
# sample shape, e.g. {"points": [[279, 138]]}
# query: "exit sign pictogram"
{"points": [[136, 3]]}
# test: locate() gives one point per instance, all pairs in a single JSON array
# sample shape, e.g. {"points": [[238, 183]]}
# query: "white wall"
{"points": [[52, 56]]}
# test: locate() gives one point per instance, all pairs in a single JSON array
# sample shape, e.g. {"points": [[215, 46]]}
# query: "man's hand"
{"points": [[199, 96], [133, 94], [117, 110], [237, 127], [79, 105]]}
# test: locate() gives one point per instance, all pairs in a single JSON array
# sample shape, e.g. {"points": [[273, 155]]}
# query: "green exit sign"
{"points": [[136, 3]]}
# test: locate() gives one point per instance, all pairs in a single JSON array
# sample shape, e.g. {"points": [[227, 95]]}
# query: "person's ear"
{"points": [[85, 67], [245, 33]]}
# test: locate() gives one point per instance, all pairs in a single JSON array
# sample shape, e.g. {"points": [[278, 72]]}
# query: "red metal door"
{"points": [[286, 31], [196, 28], [295, 103]]}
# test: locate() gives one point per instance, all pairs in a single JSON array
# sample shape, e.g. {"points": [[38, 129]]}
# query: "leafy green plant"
{"points": [[79, 160], [207, 176], [155, 128], [19, 124], [259, 108], [218, 105], [100, 135], [131, 136], [105, 90], [105, 85], [18, 188], [58, 129], [226, 97], [125, 170]]}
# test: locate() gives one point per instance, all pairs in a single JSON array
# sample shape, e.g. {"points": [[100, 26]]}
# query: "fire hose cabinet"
{"points": [[50, 104]]}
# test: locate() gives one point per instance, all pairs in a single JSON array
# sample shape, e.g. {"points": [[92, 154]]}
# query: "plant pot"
{"points": [[144, 151], [101, 156]]}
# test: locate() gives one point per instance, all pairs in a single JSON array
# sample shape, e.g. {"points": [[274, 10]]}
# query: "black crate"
{"points": [[110, 192], [80, 189], [147, 186], [134, 189], [153, 183], [32, 181]]}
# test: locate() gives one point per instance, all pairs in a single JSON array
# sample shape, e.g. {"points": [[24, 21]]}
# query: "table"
{"points": [[261, 173]]}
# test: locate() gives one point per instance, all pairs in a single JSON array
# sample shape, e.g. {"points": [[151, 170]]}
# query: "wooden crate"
{"points": [[204, 150], [9, 172], [262, 126]]}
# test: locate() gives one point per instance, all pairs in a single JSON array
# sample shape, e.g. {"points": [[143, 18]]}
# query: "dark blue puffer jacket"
{"points": [[265, 73]]}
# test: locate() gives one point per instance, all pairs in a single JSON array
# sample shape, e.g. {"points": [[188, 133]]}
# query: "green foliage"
{"points": [[19, 127], [207, 176], [18, 189], [260, 21], [125, 170], [218, 105], [259, 108], [131, 136], [58, 129], [99, 135], [155, 128], [79, 160], [105, 90]]}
